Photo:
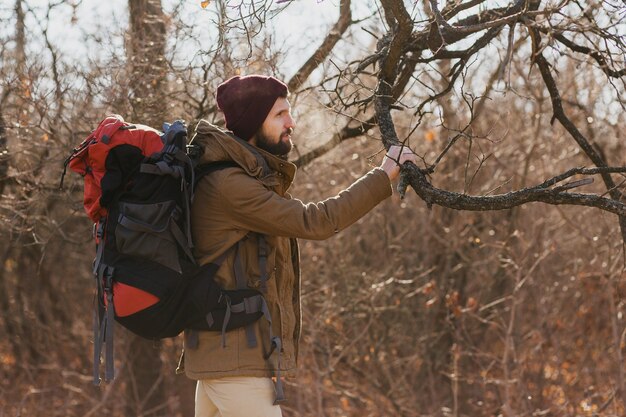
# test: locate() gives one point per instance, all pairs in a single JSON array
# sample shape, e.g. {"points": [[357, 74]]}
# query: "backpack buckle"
{"points": [[194, 151], [108, 273], [167, 157], [98, 229]]}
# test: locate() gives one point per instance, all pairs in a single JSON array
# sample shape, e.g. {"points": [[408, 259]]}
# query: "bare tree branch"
{"points": [[322, 52], [597, 56], [559, 114], [345, 134], [539, 193], [389, 62]]}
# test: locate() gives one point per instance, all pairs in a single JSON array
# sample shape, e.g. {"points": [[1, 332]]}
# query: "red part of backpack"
{"points": [[89, 158], [129, 300]]}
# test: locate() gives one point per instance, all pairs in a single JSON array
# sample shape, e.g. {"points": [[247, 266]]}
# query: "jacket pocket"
{"points": [[149, 231]]}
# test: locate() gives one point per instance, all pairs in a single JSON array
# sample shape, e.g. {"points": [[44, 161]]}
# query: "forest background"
{"points": [[496, 286]]}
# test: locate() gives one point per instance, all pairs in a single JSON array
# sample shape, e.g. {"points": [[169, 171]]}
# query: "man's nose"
{"points": [[290, 123]]}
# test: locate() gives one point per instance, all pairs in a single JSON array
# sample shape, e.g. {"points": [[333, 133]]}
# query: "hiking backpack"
{"points": [[138, 188]]}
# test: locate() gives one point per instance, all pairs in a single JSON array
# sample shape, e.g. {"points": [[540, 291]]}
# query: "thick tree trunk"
{"points": [[23, 87], [4, 153], [146, 59], [147, 67]]}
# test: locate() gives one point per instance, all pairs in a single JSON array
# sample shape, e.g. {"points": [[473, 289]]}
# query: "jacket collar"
{"points": [[219, 145]]}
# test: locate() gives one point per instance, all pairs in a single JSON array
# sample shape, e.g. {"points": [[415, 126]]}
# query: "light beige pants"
{"points": [[236, 397]]}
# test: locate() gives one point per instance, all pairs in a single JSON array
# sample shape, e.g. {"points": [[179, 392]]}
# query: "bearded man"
{"points": [[244, 215]]}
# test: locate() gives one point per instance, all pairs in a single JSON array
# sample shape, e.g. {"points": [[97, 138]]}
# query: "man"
{"points": [[243, 214]]}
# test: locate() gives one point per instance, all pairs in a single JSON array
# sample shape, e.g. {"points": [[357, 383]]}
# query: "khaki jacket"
{"points": [[231, 202]]}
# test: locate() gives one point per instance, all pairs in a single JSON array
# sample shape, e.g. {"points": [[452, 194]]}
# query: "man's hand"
{"points": [[396, 156]]}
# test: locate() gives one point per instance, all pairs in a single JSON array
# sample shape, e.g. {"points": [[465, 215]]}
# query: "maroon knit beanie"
{"points": [[246, 101]]}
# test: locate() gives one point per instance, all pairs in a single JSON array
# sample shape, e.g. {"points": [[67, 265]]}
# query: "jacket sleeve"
{"points": [[251, 206]]}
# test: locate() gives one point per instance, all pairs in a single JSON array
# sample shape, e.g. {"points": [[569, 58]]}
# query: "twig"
{"points": [[334, 35]]}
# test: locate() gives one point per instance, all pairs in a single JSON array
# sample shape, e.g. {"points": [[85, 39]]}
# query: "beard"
{"points": [[278, 148]]}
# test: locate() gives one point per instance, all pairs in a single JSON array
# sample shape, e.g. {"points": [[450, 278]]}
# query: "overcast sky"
{"points": [[300, 27]]}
